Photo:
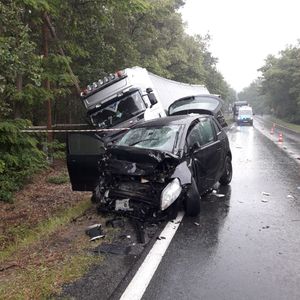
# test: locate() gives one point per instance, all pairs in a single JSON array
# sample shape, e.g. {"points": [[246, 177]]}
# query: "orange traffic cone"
{"points": [[280, 138]]}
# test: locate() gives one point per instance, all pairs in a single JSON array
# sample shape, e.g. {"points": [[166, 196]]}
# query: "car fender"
{"points": [[183, 173]]}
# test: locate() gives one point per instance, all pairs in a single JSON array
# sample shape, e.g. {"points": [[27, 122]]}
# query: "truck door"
{"points": [[84, 154]]}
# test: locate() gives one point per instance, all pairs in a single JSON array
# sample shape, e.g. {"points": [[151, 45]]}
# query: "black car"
{"points": [[164, 163]]}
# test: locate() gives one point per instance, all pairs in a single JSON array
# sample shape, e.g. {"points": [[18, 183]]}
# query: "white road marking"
{"points": [[137, 287]]}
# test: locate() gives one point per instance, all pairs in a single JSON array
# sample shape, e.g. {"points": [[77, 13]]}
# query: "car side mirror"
{"points": [[151, 96]]}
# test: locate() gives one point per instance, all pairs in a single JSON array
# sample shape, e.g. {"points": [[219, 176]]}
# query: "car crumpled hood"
{"points": [[133, 161]]}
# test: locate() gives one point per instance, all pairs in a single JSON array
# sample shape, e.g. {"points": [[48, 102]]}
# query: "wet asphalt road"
{"points": [[247, 245]]}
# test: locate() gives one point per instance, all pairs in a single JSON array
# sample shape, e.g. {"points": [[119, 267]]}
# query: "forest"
{"points": [[277, 90], [51, 49]]}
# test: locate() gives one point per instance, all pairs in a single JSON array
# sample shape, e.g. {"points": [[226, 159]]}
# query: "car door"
{"points": [[212, 149], [205, 151], [84, 154], [224, 145]]}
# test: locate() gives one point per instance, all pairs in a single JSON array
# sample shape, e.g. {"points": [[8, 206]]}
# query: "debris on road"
{"points": [[125, 236], [95, 232], [117, 249], [161, 238], [196, 223], [264, 200], [290, 196], [116, 222], [266, 194], [219, 195], [265, 227]]}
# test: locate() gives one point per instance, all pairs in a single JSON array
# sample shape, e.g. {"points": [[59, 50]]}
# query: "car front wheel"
{"points": [[192, 202], [227, 175]]}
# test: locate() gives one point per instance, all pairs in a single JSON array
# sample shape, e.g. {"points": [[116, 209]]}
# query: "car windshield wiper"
{"points": [[141, 141]]}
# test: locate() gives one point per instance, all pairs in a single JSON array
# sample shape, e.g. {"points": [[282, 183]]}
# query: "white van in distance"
{"points": [[245, 116]]}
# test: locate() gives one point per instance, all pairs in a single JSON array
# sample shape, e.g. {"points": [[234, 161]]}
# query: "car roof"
{"points": [[172, 120]]}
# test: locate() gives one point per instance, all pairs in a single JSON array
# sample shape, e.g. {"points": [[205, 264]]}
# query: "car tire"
{"points": [[227, 175], [192, 202]]}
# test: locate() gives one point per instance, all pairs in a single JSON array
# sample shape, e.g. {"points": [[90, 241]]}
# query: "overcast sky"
{"points": [[244, 32]]}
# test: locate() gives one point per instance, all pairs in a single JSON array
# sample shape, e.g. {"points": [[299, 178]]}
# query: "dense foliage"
{"points": [[278, 89], [97, 37], [19, 157]]}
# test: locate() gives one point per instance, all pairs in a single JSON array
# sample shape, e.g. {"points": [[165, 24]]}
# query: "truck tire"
{"points": [[192, 202], [227, 175]]}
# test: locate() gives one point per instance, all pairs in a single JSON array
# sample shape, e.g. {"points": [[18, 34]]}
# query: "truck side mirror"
{"points": [[151, 96]]}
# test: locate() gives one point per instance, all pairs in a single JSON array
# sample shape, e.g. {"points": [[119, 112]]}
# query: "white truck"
{"points": [[119, 97], [113, 103]]}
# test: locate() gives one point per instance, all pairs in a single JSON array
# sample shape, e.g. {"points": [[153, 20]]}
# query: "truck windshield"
{"points": [[159, 138], [119, 111]]}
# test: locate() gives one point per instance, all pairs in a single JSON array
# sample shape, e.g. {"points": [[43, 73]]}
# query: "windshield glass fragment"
{"points": [[159, 138], [119, 111]]}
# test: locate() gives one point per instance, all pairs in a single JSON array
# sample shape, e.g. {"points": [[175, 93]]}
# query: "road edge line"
{"points": [[139, 283]]}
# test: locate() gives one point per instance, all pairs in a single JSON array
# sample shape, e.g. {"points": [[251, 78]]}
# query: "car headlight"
{"points": [[170, 193]]}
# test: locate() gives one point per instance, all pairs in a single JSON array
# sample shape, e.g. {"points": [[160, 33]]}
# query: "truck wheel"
{"points": [[227, 175], [192, 202]]}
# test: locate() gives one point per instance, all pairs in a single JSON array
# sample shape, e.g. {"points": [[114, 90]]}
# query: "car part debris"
{"points": [[116, 222], [94, 232], [139, 227], [219, 195], [196, 223], [290, 196], [266, 194], [125, 236], [117, 249]]}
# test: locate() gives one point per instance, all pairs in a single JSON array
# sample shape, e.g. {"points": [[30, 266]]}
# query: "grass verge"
{"points": [[43, 281], [27, 236], [291, 126]]}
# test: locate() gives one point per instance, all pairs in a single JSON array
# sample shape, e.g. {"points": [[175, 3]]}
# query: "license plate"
{"points": [[122, 205]]}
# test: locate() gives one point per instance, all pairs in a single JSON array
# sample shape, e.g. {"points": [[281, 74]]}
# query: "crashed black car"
{"points": [[165, 163]]}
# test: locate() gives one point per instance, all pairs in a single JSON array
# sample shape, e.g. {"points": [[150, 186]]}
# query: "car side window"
{"points": [[194, 136], [217, 126], [207, 131]]}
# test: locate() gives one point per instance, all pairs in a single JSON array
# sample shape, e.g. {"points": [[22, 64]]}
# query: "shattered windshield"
{"points": [[119, 111], [197, 102], [159, 138]]}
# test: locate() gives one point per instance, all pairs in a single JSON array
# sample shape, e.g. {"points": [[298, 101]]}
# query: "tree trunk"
{"points": [[47, 82], [17, 104]]}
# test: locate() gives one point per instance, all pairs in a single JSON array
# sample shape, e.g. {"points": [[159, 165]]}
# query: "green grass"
{"points": [[26, 236], [291, 126], [60, 179], [43, 281]]}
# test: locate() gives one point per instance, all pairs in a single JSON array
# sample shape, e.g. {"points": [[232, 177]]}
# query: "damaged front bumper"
{"points": [[141, 199]]}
